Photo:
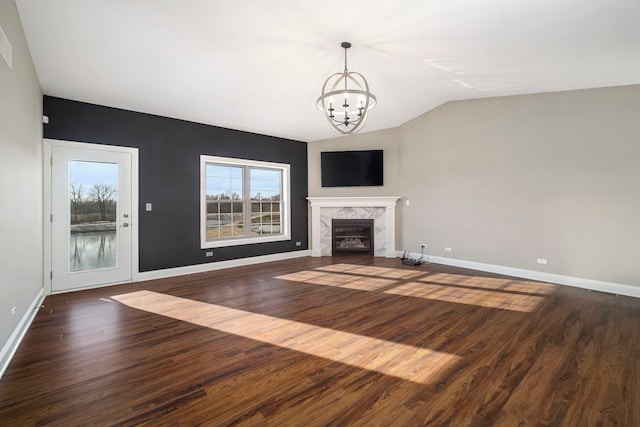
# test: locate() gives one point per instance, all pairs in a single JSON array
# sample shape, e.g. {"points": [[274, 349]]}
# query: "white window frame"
{"points": [[285, 220]]}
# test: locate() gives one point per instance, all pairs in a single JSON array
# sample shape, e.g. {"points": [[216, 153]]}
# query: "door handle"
{"points": [[126, 224]]}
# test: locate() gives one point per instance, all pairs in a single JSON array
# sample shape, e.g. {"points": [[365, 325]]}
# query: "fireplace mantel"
{"points": [[381, 209]]}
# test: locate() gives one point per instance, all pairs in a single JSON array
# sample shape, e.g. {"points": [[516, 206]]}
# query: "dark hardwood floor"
{"points": [[351, 340]]}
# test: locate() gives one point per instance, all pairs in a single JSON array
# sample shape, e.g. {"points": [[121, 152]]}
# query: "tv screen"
{"points": [[351, 168]]}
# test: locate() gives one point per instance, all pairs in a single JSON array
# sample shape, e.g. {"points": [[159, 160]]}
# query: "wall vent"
{"points": [[5, 48]]}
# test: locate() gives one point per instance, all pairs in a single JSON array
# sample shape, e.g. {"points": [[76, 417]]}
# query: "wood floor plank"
{"points": [[349, 340]]}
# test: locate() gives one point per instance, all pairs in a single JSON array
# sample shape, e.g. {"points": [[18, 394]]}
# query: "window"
{"points": [[243, 202]]}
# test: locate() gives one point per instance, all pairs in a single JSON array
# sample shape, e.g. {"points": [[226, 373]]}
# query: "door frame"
{"points": [[48, 145]]}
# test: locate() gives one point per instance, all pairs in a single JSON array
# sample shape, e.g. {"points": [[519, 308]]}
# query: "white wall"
{"points": [[505, 181], [20, 179]]}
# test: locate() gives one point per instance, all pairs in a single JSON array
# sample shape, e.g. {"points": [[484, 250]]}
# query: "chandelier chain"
{"points": [[345, 60]]}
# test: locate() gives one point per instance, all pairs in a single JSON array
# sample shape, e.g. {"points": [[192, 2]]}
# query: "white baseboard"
{"points": [[16, 337], [594, 285], [219, 265]]}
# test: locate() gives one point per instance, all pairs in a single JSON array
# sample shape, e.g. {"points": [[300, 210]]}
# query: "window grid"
{"points": [[229, 188]]}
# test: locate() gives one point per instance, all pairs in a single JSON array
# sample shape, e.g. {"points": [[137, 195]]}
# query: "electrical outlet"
{"points": [[13, 312], [542, 260], [298, 243], [209, 253], [447, 250]]}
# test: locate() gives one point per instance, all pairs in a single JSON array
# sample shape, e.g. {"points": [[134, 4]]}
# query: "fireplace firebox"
{"points": [[352, 236]]}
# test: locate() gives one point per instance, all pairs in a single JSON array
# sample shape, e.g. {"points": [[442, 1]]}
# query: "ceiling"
{"points": [[259, 66]]}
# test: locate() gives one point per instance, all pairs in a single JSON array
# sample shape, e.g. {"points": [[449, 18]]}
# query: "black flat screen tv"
{"points": [[351, 168]]}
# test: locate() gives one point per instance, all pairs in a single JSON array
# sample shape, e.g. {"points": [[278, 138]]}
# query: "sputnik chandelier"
{"points": [[346, 107]]}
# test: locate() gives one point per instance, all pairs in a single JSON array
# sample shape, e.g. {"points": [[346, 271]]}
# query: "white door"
{"points": [[91, 215]]}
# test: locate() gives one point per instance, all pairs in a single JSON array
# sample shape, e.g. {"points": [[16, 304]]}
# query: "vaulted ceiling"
{"points": [[259, 66]]}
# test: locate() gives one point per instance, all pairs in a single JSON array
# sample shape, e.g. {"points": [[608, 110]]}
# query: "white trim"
{"points": [[47, 181], [387, 202], [559, 279], [285, 219], [10, 348], [353, 202], [219, 265], [47, 251]]}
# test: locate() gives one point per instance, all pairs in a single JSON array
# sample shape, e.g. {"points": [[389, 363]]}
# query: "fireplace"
{"points": [[381, 209], [352, 236]]}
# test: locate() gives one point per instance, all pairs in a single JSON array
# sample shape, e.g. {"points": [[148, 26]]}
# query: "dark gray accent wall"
{"points": [[169, 175]]}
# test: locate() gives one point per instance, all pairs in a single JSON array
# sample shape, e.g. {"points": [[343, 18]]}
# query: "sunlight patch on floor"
{"points": [[506, 284], [491, 292], [411, 363], [339, 280], [364, 270], [477, 297]]}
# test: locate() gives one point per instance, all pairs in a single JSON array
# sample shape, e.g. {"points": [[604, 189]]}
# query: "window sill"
{"points": [[243, 241]]}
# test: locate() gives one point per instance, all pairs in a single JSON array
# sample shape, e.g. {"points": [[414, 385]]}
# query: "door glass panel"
{"points": [[93, 195]]}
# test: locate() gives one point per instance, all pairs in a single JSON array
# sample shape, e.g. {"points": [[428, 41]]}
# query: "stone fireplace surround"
{"points": [[381, 209]]}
